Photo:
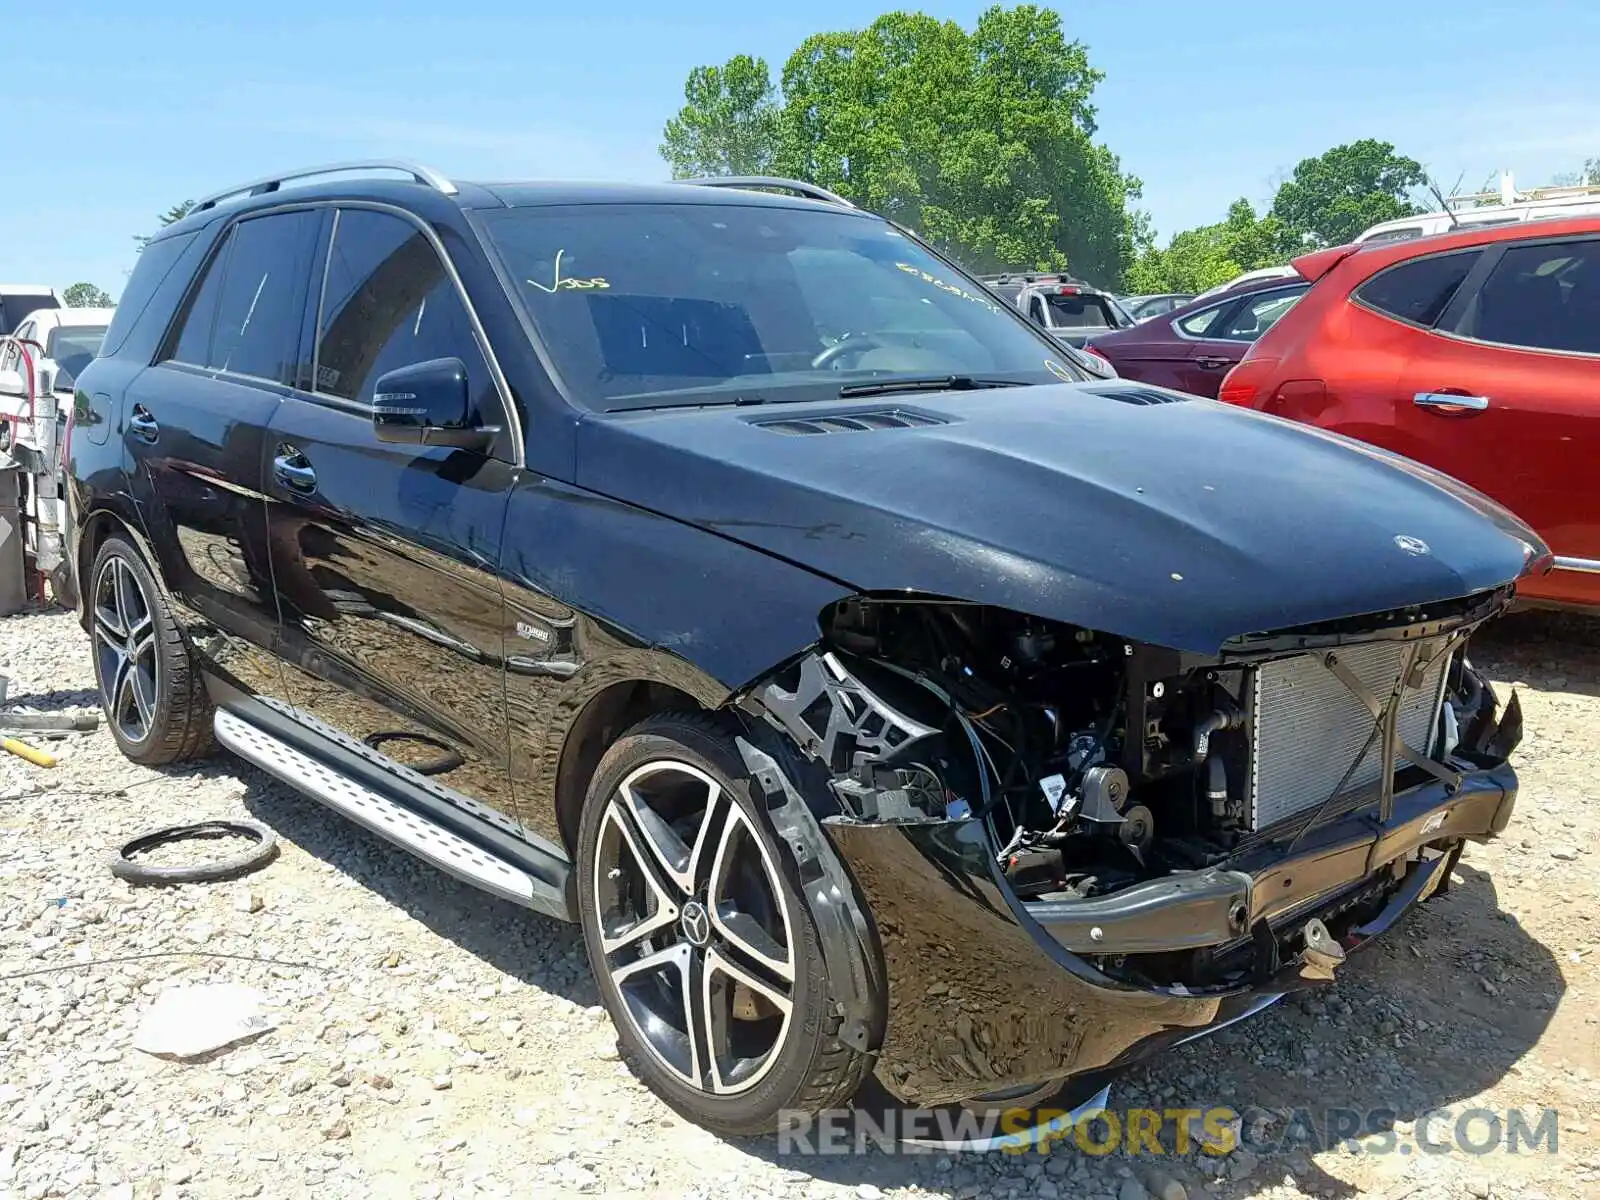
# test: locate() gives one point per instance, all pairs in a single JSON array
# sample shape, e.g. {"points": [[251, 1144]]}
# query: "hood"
{"points": [[1123, 508]]}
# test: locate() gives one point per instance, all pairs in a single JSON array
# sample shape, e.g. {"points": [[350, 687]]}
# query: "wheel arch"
{"points": [[97, 527], [604, 717]]}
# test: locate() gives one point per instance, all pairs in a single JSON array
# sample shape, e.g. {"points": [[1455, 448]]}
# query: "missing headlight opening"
{"points": [[1133, 796]]}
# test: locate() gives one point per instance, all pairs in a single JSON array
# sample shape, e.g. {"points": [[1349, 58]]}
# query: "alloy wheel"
{"points": [[695, 929], [125, 649]]}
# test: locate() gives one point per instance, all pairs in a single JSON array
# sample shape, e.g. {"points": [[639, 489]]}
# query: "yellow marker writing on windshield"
{"points": [[571, 285], [944, 285]]}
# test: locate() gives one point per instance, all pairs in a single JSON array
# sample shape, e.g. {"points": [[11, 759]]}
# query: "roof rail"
{"points": [[271, 183], [1531, 196], [809, 190]]}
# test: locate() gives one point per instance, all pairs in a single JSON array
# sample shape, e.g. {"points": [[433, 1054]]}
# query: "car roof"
{"points": [[428, 201]]}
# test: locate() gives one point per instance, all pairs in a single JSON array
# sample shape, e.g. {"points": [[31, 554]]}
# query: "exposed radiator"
{"points": [[1308, 726]]}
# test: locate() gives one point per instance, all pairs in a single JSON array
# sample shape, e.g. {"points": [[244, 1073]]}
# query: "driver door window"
{"points": [[389, 302]]}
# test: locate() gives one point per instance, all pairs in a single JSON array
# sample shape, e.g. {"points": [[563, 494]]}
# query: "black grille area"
{"points": [[857, 422], [1135, 395]]}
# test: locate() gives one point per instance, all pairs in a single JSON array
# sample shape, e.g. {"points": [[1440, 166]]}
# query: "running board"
{"points": [[386, 817]]}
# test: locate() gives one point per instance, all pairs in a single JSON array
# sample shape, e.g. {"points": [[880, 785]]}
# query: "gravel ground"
{"points": [[431, 1041]]}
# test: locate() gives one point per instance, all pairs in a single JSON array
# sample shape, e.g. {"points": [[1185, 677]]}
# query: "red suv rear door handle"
{"points": [[1450, 403], [1213, 362]]}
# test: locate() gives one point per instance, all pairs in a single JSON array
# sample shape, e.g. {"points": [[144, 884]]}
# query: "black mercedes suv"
{"points": [[901, 714]]}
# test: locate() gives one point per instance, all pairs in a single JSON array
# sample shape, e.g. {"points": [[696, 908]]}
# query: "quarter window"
{"points": [[1196, 324], [1546, 297], [389, 302], [1420, 290]]}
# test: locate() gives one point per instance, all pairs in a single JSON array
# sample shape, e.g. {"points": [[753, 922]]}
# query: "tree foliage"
{"points": [[729, 125], [1202, 258], [174, 214], [1336, 196], [85, 295], [981, 141]]}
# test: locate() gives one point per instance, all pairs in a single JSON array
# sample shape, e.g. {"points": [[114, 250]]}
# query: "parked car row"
{"points": [[1200, 341], [517, 524]]}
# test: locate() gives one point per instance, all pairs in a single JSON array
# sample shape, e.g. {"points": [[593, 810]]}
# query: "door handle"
{"points": [[294, 472], [142, 425], [1212, 362], [1448, 401]]}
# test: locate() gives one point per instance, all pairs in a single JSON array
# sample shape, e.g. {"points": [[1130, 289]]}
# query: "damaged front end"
{"points": [[1079, 848]]}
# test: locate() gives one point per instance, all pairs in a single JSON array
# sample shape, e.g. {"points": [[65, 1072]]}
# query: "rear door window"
{"points": [[1543, 297], [263, 296], [192, 344], [245, 316], [1418, 291], [1258, 314]]}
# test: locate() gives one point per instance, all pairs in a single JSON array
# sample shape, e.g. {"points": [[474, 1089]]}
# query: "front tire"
{"points": [[150, 688], [704, 951]]}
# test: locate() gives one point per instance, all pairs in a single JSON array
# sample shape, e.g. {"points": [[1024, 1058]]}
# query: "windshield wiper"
{"points": [[930, 383], [736, 402]]}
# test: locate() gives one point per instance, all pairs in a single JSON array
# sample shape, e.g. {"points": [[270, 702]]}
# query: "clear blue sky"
{"points": [[126, 108]]}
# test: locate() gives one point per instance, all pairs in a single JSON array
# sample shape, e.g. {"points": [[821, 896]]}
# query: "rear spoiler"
{"points": [[1318, 263]]}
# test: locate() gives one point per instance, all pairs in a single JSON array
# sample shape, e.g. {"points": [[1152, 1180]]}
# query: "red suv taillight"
{"points": [[1241, 385], [1091, 348]]}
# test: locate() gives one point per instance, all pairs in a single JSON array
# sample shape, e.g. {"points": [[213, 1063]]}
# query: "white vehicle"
{"points": [[68, 339], [1504, 207]]}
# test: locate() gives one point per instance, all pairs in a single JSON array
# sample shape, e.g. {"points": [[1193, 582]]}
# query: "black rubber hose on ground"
{"points": [[262, 849]]}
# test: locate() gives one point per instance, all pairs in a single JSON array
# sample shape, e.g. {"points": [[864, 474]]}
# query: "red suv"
{"points": [[1476, 352]]}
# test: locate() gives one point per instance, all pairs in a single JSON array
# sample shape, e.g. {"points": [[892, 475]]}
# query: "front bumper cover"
{"points": [[986, 993]]}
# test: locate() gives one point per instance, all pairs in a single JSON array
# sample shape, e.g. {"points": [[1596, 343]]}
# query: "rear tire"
{"points": [[701, 942], [151, 691]]}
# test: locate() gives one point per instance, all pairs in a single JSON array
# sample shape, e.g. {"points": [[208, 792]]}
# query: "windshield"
{"points": [[643, 306], [72, 348]]}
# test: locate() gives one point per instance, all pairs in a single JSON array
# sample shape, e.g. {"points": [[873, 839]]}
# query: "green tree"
{"points": [[981, 141], [729, 125], [85, 295], [1332, 198], [176, 213], [1202, 258]]}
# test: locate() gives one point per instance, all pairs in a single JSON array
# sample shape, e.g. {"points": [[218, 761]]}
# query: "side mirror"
{"points": [[427, 404], [13, 384]]}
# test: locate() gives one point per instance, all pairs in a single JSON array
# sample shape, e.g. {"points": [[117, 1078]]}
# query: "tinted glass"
{"points": [[72, 348], [150, 270], [193, 342], [263, 296], [389, 303], [642, 305], [1545, 297], [1420, 290], [1257, 315]]}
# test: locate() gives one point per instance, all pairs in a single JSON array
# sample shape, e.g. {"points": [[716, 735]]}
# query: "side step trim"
{"points": [[388, 818]]}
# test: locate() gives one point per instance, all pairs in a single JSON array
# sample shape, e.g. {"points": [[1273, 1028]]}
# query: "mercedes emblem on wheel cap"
{"points": [[696, 923], [1411, 545]]}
